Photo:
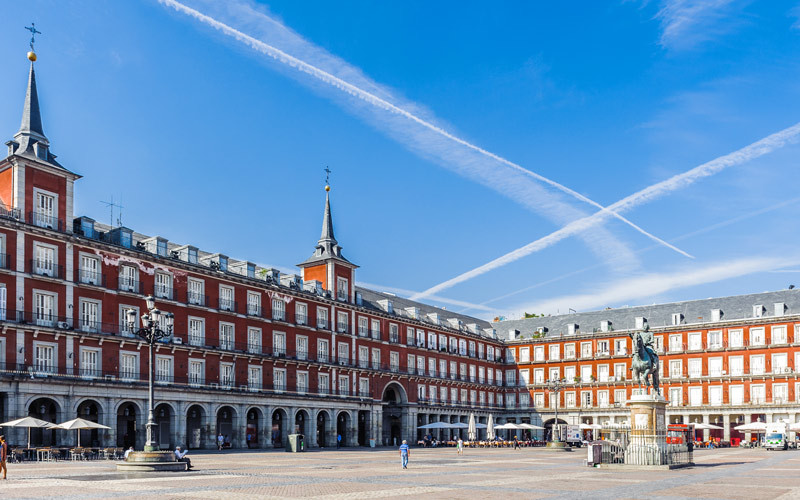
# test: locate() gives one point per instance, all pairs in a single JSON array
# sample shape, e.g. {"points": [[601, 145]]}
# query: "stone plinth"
{"points": [[648, 411], [151, 461], [647, 445]]}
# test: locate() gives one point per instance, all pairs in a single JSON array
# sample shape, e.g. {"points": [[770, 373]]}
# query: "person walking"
{"points": [[3, 456], [220, 441], [516, 443], [338, 441], [404, 454], [249, 439], [460, 446]]}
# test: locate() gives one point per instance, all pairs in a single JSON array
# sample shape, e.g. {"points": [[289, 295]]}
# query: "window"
{"points": [[322, 350], [279, 379], [254, 340], [253, 303], [602, 399], [363, 388], [45, 260], [620, 370], [555, 352], [538, 375], [538, 353], [45, 304], [443, 368], [620, 347], [197, 331], [278, 310], [602, 373], [45, 358], [432, 339], [363, 328], [586, 399], [163, 286], [757, 394], [278, 344], [779, 334], [553, 374], [376, 359], [302, 382], [128, 366], [197, 372], [695, 396], [90, 363], [757, 336], [735, 338], [524, 376], [675, 368], [695, 341], [323, 383], [453, 370], [45, 213], [675, 396], [715, 340], [342, 289], [602, 348], [757, 364], [375, 329], [255, 378], [195, 292], [163, 369], [301, 313], [758, 311], [341, 322], [90, 315], [659, 341], [89, 270], [736, 365], [128, 279], [344, 385], [780, 393], [226, 336], [394, 361], [302, 347], [569, 373], [343, 354], [586, 373], [695, 368], [736, 394], [586, 349], [226, 302], [363, 356], [421, 367], [714, 367], [619, 396], [675, 343], [394, 333], [715, 395], [472, 349], [462, 347], [569, 351], [412, 363], [322, 318], [780, 363]]}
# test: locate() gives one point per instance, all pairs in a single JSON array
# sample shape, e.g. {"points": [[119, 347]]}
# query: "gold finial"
{"points": [[34, 32], [327, 179]]}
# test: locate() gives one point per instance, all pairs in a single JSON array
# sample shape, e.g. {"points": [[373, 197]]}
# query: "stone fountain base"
{"points": [[151, 461]]}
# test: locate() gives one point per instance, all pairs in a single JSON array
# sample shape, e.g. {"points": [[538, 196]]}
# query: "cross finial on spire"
{"points": [[327, 175], [34, 32]]}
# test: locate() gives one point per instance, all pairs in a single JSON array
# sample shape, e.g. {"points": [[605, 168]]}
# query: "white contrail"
{"points": [[405, 293], [651, 285], [759, 148], [370, 97]]}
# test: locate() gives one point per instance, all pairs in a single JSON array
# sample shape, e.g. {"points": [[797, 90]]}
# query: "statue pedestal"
{"points": [[648, 411], [151, 461], [647, 444]]}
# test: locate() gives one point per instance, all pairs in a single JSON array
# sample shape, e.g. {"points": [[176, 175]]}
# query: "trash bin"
{"points": [[295, 443], [595, 454]]}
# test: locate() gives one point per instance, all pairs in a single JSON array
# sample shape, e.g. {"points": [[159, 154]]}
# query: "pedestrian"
{"points": [[460, 446], [220, 441], [3, 456], [516, 443], [404, 454], [181, 456], [338, 441], [249, 438]]}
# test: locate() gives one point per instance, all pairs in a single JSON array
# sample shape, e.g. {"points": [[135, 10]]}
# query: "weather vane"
{"points": [[34, 32], [327, 178]]}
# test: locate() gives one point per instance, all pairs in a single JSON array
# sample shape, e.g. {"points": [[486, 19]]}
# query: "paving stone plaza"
{"points": [[433, 473]]}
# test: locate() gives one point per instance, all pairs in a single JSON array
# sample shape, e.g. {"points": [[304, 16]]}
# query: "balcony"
{"points": [[162, 291], [128, 285], [229, 305], [196, 299], [45, 268], [91, 278], [46, 221], [5, 261]]}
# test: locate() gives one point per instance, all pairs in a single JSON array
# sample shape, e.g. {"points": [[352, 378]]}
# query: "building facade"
{"points": [[724, 361], [255, 354]]}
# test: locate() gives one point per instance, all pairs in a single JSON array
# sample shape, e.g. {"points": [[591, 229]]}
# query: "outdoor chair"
{"points": [[17, 455], [76, 454]]}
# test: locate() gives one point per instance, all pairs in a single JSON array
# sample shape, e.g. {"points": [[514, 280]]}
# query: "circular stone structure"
{"points": [[151, 461], [558, 446]]}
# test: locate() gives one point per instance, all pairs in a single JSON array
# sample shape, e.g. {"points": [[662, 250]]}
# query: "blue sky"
{"points": [[209, 139]]}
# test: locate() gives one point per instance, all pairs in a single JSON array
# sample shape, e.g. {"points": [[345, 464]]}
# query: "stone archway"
{"points": [[280, 422], [548, 426], [163, 415], [300, 422], [127, 413], [225, 418], [342, 428], [323, 424], [90, 410], [48, 410], [394, 403], [254, 416], [195, 435]]}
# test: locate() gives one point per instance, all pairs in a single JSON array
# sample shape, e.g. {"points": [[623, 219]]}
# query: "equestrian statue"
{"points": [[644, 364]]}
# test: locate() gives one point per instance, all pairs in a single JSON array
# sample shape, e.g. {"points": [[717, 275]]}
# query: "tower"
{"points": [[327, 264]]}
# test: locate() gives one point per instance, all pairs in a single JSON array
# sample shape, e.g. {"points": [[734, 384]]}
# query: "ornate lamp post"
{"points": [[556, 386], [151, 332]]}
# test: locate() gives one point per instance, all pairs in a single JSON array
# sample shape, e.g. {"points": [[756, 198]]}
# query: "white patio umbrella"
{"points": [[701, 427], [28, 422], [794, 427], [472, 431], [531, 427], [79, 424], [490, 428], [751, 427], [590, 427], [508, 426], [436, 425]]}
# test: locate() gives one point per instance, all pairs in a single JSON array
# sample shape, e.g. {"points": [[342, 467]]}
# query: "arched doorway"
{"points": [[45, 409], [90, 410], [163, 417], [548, 427], [394, 409], [126, 425], [279, 423], [251, 433], [342, 424], [363, 428], [300, 420], [323, 421], [225, 425], [194, 427]]}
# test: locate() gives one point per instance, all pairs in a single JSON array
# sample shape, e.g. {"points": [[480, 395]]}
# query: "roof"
{"points": [[327, 247], [694, 312]]}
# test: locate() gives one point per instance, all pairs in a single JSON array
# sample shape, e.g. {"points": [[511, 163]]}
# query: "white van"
{"points": [[775, 437]]}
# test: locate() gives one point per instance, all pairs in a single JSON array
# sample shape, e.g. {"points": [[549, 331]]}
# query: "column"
{"points": [[180, 437], [726, 423], [240, 427], [409, 430], [311, 437], [748, 417], [706, 432], [352, 432]]}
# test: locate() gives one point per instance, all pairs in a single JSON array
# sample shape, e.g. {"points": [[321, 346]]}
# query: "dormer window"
{"points": [[41, 151], [191, 255], [758, 311], [341, 289], [44, 214], [677, 318]]}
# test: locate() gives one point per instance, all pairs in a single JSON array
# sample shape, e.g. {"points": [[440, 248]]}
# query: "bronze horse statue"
{"points": [[644, 363]]}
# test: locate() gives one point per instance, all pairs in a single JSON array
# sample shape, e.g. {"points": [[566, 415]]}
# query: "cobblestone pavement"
{"points": [[434, 473]]}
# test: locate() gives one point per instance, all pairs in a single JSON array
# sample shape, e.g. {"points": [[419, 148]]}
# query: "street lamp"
{"points": [[555, 386], [151, 332]]}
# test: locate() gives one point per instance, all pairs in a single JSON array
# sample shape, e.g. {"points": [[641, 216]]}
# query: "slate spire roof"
{"points": [[327, 246], [31, 116]]}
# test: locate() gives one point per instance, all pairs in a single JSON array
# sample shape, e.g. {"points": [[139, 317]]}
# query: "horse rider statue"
{"points": [[644, 363]]}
